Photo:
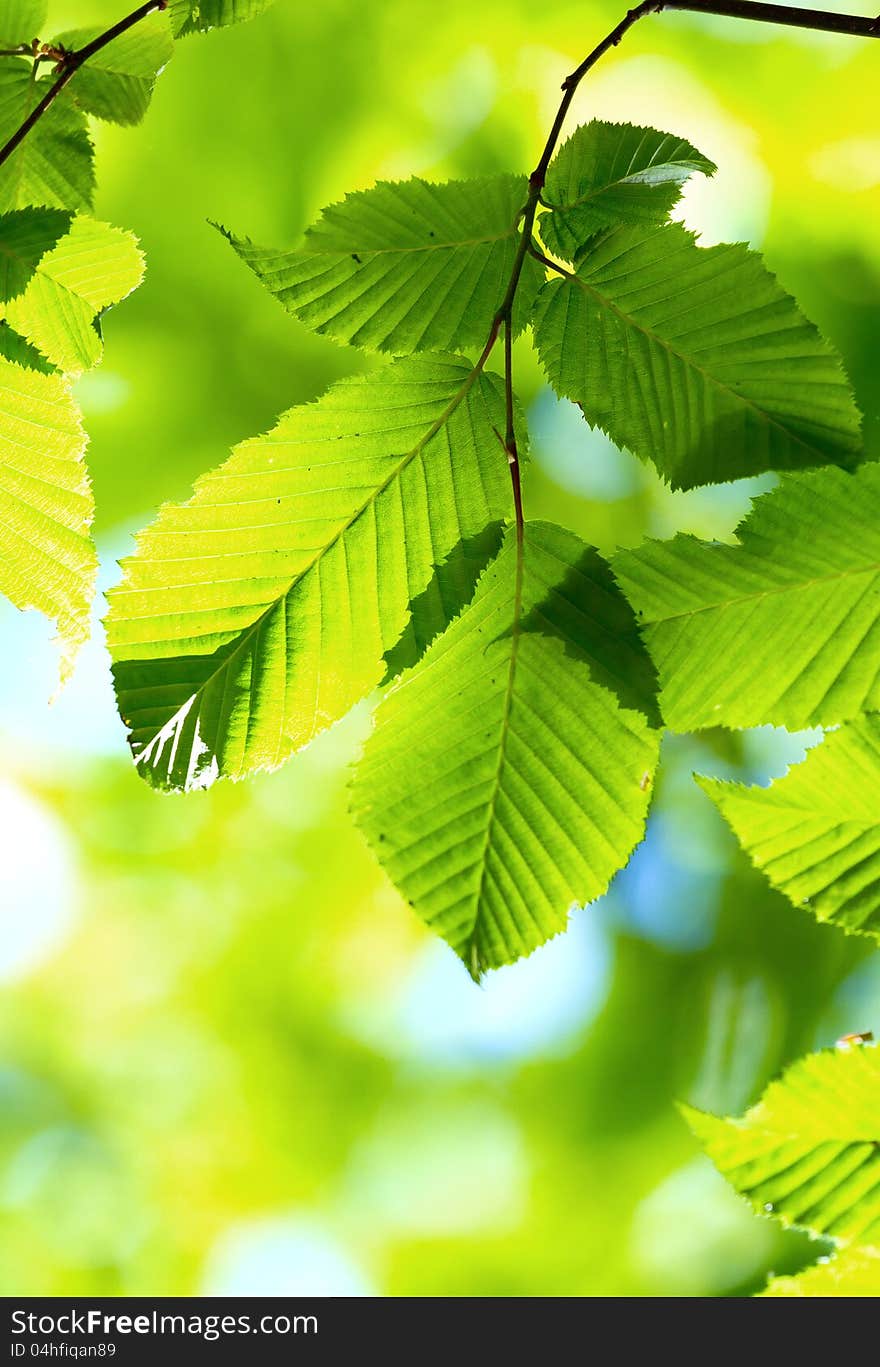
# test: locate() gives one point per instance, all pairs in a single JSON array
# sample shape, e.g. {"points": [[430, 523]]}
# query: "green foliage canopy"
{"points": [[372, 540]]}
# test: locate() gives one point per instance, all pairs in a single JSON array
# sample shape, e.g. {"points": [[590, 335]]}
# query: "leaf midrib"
{"points": [[801, 587], [472, 960], [349, 251]]}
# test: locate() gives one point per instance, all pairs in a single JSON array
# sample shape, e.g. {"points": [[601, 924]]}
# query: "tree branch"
{"points": [[70, 64], [855, 26]]}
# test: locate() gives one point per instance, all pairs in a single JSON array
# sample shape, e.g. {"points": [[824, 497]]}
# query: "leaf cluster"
{"points": [[60, 272], [372, 539]]}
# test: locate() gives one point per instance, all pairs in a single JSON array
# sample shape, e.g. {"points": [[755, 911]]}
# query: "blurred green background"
{"points": [[232, 1060]]}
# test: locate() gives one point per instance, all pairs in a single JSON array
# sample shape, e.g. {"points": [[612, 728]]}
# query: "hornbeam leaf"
{"points": [[57, 274], [694, 358], [783, 628], [47, 560], [197, 16], [809, 1151], [406, 266], [816, 832], [508, 776], [21, 21], [853, 1272], [116, 83], [258, 613], [611, 173], [452, 585], [53, 166]]}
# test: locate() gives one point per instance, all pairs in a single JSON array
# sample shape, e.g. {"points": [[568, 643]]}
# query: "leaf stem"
{"points": [[510, 433], [550, 264], [68, 65]]}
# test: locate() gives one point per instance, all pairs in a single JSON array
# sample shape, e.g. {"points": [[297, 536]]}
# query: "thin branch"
{"points": [[856, 26], [69, 65]]}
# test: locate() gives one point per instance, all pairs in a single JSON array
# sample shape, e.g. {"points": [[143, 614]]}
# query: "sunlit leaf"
{"points": [[694, 358], [406, 266], [47, 560], [816, 832], [809, 1151], [611, 173], [58, 272], [782, 628], [256, 614], [508, 778]]}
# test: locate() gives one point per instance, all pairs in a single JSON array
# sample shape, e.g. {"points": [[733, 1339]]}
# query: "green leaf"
{"points": [[47, 560], [57, 274], [611, 173], [197, 16], [117, 82], [854, 1272], [694, 358], [816, 832], [406, 266], [258, 613], [809, 1152], [452, 586], [508, 776], [53, 166], [782, 628], [21, 21]]}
